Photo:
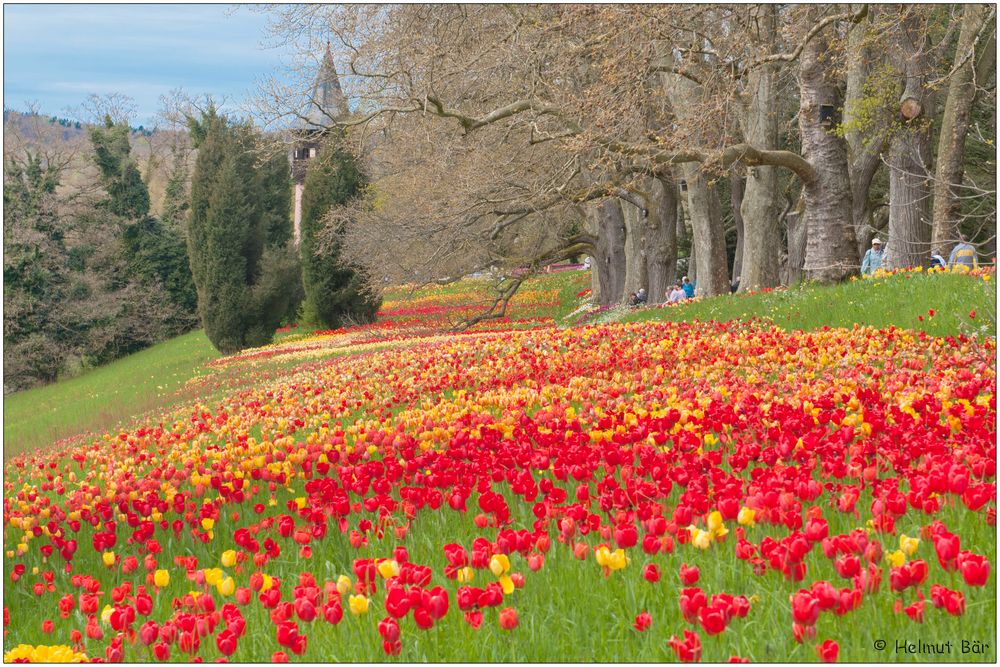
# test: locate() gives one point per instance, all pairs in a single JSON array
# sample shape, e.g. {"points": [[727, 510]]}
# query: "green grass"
{"points": [[899, 300], [100, 398]]}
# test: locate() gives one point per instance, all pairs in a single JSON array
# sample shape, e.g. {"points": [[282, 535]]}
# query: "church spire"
{"points": [[326, 93]]}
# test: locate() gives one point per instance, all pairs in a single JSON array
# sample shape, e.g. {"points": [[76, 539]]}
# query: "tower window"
{"points": [[312, 152]]}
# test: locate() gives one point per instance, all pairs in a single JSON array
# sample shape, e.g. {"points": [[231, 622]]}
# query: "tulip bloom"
{"points": [[908, 545], [688, 650], [508, 618], [689, 575], [828, 651], [161, 578], [358, 604], [642, 621]]}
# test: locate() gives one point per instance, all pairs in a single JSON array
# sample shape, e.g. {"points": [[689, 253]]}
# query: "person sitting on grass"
{"points": [[640, 297], [937, 261], [677, 294], [688, 287]]}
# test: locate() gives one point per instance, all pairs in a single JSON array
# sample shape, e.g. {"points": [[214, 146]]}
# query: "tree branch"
{"points": [[853, 17]]}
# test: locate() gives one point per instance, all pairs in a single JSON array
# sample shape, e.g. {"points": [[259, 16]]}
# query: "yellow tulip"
{"points": [[908, 544], [161, 578], [715, 523], [228, 558], [603, 556], [700, 538], [465, 574], [106, 613], [344, 585], [207, 524], [617, 560], [746, 517], [226, 587], [896, 558], [388, 568], [358, 604], [499, 564], [45, 654], [507, 584], [108, 557], [267, 583]]}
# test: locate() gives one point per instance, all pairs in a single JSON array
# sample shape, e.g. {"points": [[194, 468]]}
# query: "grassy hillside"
{"points": [[938, 303], [175, 371], [100, 398]]}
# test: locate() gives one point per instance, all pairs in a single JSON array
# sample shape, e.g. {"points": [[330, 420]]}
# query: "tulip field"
{"points": [[651, 491]]}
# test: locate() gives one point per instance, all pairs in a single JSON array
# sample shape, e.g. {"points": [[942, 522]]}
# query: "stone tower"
{"points": [[325, 105]]}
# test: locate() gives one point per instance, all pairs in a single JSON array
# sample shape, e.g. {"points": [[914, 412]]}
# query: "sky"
{"points": [[56, 55]]}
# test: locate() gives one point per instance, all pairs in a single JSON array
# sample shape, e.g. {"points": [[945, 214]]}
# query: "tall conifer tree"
{"points": [[334, 292]]}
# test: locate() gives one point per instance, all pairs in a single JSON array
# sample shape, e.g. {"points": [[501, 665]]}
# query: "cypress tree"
{"points": [[334, 292], [242, 282]]}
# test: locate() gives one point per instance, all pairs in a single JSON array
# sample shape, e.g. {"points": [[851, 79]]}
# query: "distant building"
{"points": [[326, 104]]}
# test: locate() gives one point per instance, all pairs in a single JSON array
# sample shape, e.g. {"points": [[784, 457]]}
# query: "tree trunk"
{"points": [[683, 230], [636, 273], [865, 134], [831, 250], [609, 262], [910, 222], [661, 237], [761, 205], [970, 57], [737, 186], [709, 235], [796, 246]]}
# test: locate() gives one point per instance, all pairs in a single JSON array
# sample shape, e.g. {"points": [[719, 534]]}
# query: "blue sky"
{"points": [[58, 54]]}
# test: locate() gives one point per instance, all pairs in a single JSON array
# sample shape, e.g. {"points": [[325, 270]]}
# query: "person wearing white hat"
{"points": [[873, 258]]}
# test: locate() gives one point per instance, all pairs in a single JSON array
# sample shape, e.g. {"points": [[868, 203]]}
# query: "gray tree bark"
{"points": [[831, 249], [761, 205], [737, 188], [975, 57], [636, 271], [796, 246], [866, 141], [661, 237], [910, 223], [609, 261], [708, 232]]}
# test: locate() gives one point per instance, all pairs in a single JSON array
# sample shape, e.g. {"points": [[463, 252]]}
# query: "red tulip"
{"points": [[508, 618], [162, 651], [805, 608], [828, 651], [975, 569], [688, 650], [947, 547], [691, 601], [689, 575], [713, 619], [642, 621]]}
